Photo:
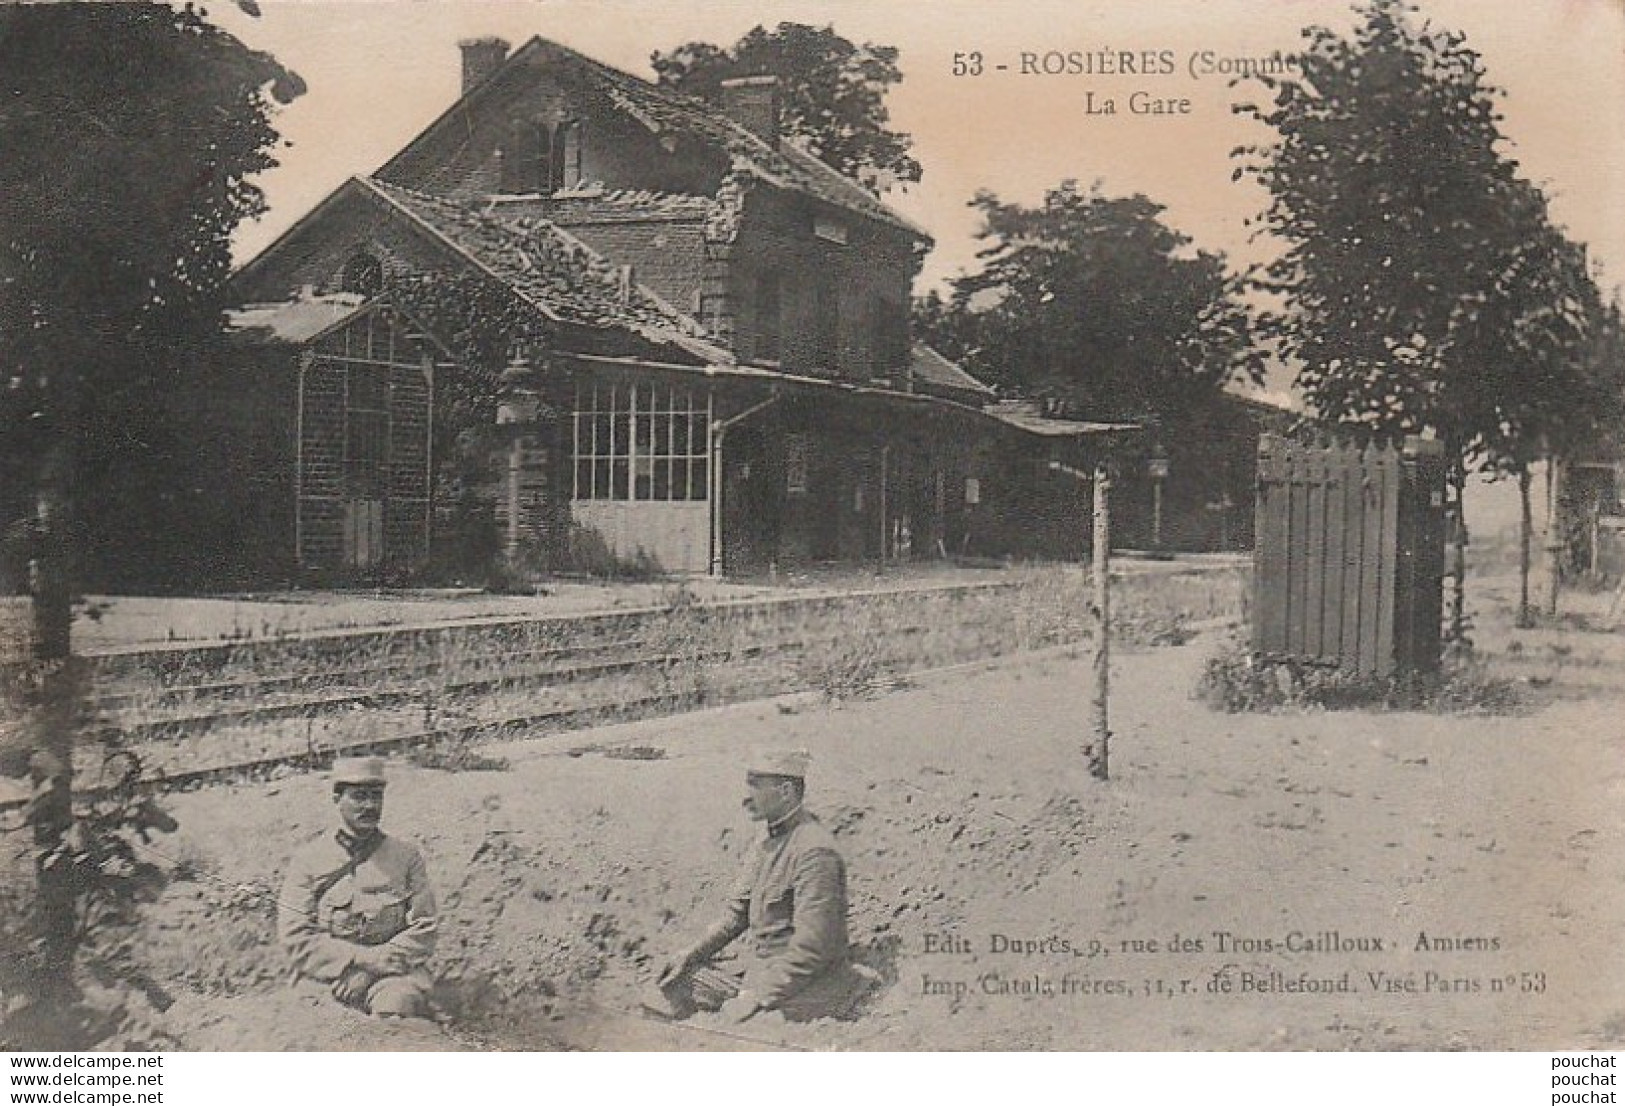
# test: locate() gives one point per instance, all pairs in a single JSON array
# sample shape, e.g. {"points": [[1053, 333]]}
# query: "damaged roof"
{"points": [[551, 269], [595, 203], [670, 115]]}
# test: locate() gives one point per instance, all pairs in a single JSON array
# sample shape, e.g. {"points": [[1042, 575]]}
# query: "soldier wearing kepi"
{"points": [[791, 898], [357, 912]]}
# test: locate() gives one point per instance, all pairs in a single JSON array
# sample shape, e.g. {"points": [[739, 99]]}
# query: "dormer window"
{"points": [[526, 156], [539, 158]]}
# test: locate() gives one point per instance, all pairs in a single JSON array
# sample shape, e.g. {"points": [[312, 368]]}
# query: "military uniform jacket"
{"points": [[791, 897], [334, 900]]}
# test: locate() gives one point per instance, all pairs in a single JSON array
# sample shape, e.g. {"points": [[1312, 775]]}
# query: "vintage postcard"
{"points": [[630, 577]]}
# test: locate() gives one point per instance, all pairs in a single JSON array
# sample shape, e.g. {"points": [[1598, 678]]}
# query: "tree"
{"points": [[833, 93], [1093, 305], [1423, 287], [1549, 387], [131, 132]]}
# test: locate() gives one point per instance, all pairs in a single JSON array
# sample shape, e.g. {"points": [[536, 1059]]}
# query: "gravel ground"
{"points": [[1228, 888]]}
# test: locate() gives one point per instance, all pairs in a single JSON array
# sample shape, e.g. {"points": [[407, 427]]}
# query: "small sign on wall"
{"points": [[973, 491]]}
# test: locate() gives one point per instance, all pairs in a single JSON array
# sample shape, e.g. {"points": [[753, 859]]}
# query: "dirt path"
{"points": [[970, 826]]}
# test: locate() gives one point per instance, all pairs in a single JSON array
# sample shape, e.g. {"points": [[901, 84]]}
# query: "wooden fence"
{"points": [[1349, 560]]}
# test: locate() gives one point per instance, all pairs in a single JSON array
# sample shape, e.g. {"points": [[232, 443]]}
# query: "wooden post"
{"points": [[1098, 748], [880, 503], [714, 463], [1554, 533], [1526, 527]]}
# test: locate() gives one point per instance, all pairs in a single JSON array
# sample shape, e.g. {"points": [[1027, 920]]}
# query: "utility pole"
{"points": [[1099, 745], [1097, 749], [1554, 532]]}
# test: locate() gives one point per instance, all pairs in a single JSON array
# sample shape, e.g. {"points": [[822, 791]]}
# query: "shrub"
{"points": [[587, 553], [1237, 681]]}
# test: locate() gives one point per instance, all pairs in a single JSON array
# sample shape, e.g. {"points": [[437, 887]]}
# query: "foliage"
{"points": [[457, 754], [1095, 305], [103, 860], [833, 93], [131, 133], [1424, 286], [1552, 384], [521, 572], [1236, 681], [487, 327], [587, 553]]}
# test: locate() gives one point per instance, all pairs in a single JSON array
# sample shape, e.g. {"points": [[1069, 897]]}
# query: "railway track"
{"points": [[194, 714]]}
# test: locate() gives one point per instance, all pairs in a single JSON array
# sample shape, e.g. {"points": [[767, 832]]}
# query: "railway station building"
{"points": [[711, 369]]}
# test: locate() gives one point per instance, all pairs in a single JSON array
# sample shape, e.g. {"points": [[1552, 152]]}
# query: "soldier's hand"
{"points": [[741, 1007], [352, 986], [380, 960], [677, 967]]}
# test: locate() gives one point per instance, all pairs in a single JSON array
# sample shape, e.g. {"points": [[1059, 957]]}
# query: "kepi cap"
{"points": [[779, 762], [352, 771]]}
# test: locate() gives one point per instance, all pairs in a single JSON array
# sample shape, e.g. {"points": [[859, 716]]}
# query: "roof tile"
{"points": [[552, 269]]}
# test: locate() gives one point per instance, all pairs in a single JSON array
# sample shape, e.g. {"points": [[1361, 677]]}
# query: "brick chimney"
{"points": [[481, 57], [753, 103]]}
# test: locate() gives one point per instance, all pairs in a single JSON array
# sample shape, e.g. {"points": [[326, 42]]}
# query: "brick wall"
{"points": [[666, 257], [406, 537], [869, 273], [614, 149], [321, 466], [317, 260], [322, 492]]}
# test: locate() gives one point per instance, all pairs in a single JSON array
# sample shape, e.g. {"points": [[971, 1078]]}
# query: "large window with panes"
{"points": [[366, 430], [368, 350], [640, 442]]}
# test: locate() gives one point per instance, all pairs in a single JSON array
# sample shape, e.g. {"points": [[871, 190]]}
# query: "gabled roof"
{"points": [[564, 279], [668, 115], [930, 366], [551, 268]]}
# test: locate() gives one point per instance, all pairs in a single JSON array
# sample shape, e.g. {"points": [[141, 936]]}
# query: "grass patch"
{"points": [[457, 756], [1236, 681]]}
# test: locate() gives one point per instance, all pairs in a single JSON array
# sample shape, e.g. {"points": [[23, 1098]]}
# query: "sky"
{"points": [[379, 71]]}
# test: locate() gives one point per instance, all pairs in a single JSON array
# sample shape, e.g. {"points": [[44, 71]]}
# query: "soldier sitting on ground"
{"points": [[357, 912], [791, 898]]}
